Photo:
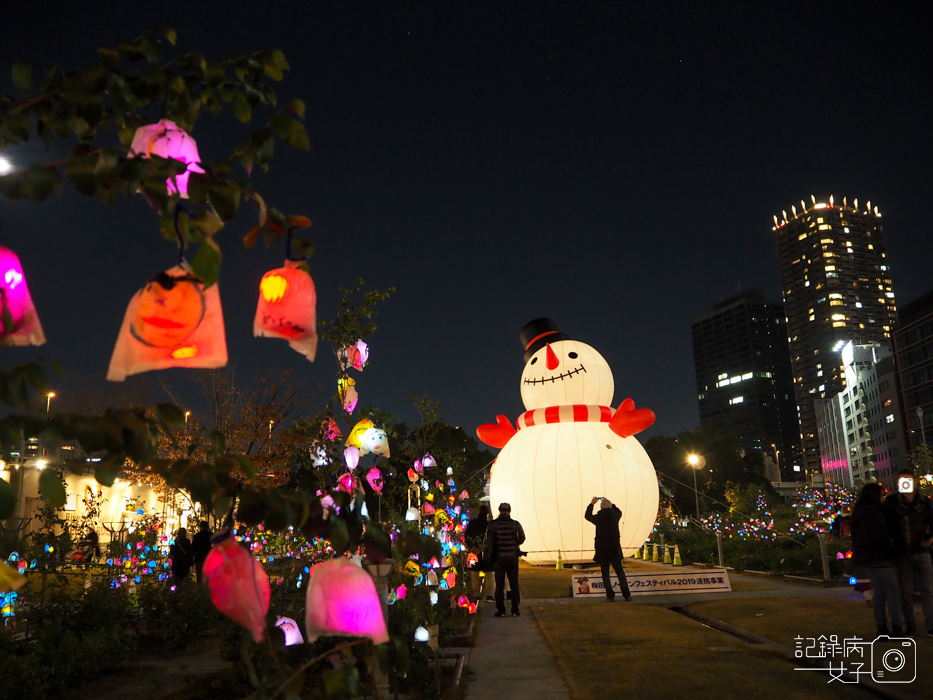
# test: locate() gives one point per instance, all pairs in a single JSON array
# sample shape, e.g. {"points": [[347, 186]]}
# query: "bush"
{"points": [[174, 620]]}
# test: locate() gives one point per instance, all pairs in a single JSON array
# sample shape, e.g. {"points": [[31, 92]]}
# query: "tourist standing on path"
{"points": [[608, 549], [912, 516], [200, 548], [475, 536], [873, 548], [180, 553], [503, 537]]}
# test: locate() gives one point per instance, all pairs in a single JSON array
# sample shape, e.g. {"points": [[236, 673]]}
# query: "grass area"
{"points": [[638, 650]]}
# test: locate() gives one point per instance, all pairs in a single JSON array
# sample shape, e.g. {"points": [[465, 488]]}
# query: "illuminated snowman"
{"points": [[570, 446]]}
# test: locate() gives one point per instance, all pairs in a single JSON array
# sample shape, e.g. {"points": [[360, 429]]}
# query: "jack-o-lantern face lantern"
{"points": [[170, 309], [286, 308]]}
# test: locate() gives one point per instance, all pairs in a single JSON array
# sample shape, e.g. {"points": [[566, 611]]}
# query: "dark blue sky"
{"points": [[613, 168]]}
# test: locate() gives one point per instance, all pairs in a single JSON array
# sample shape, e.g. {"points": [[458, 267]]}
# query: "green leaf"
{"points": [[241, 108], [22, 76], [105, 475], [249, 240], [170, 34], [338, 535], [43, 180], [110, 58], [296, 107], [51, 488], [80, 171], [198, 184], [225, 199], [206, 263], [376, 543], [170, 415], [218, 442], [7, 500], [246, 465]]}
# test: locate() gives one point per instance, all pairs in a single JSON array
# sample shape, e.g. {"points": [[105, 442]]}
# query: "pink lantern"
{"points": [[464, 496], [428, 461], [450, 576], [16, 302], [345, 482], [356, 355], [374, 477], [352, 457], [171, 322], [330, 429], [342, 600], [348, 396], [286, 308], [239, 587], [401, 592], [290, 628], [167, 140]]}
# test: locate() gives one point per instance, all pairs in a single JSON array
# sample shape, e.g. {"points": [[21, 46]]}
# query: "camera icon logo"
{"points": [[893, 660]]}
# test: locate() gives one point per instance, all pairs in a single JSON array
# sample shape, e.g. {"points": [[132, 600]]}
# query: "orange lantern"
{"points": [[171, 322], [286, 308], [21, 323], [239, 587]]}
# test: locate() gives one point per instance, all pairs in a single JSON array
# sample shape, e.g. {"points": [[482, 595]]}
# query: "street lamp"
{"points": [[777, 460], [48, 402], [697, 462]]}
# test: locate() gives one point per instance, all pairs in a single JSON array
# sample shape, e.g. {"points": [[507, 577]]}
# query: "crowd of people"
{"points": [[891, 538]]}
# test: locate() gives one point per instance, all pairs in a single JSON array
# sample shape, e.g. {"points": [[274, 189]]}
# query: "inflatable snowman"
{"points": [[570, 446]]}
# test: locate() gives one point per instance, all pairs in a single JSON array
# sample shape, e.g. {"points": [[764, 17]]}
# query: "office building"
{"points": [[744, 378], [837, 287], [913, 347]]}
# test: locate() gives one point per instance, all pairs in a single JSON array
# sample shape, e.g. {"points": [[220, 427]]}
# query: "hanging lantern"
{"points": [[290, 628], [171, 322], [20, 325], [355, 356], [450, 576], [433, 597], [411, 568], [431, 579], [351, 456], [374, 477], [342, 600], [401, 592], [428, 461], [286, 308], [167, 140], [330, 429], [10, 579], [422, 634], [239, 587], [411, 514], [348, 396]]}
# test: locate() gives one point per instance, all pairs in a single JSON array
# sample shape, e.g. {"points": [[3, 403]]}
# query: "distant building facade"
{"points": [[837, 287], [913, 347], [860, 429], [744, 379]]}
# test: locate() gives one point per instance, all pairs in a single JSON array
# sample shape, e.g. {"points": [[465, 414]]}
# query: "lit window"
{"points": [[801, 236], [737, 399], [871, 247], [825, 227], [747, 375], [830, 267], [846, 230], [858, 305], [835, 295], [889, 418], [812, 317], [839, 317], [836, 302], [819, 373], [822, 387], [839, 324]]}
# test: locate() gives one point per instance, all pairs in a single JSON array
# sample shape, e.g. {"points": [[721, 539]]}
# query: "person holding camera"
{"points": [[873, 548], [608, 549], [911, 515], [503, 537]]}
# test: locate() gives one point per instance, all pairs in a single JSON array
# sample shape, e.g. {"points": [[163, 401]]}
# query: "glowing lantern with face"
{"points": [[342, 600], [286, 308], [369, 439], [570, 445], [171, 322], [20, 324], [167, 140], [239, 587]]}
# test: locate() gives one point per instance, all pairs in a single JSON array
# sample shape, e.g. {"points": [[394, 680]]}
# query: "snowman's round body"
{"points": [[565, 453]]}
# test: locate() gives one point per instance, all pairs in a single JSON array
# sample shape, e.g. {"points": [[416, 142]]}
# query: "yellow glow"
{"points": [[693, 459], [273, 287], [185, 352], [41, 464]]}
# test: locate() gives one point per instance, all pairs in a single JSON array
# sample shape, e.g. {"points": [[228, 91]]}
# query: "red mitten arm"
{"points": [[496, 434], [629, 420]]}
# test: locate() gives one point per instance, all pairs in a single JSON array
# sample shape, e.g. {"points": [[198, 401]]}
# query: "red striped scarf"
{"points": [[577, 413]]}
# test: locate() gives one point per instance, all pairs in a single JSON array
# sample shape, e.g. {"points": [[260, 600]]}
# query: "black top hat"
{"points": [[537, 333]]}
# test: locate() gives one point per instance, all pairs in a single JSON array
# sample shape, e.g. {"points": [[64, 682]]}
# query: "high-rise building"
{"points": [[744, 377], [837, 287], [913, 347]]}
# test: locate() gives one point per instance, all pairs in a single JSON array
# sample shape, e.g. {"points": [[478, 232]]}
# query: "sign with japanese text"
{"points": [[585, 584]]}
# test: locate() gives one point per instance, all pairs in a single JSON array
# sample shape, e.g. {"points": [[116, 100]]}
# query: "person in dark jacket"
{"points": [[475, 535], [503, 537], [873, 548], [200, 547], [180, 553], [912, 516], [608, 550]]}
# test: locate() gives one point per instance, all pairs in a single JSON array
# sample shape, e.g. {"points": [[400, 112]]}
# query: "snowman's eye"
{"points": [[572, 355], [533, 360]]}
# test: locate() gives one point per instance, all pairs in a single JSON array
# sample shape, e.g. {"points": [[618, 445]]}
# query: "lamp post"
{"points": [[48, 401], [777, 460], [697, 462]]}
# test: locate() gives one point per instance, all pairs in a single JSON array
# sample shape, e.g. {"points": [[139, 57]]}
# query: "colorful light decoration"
{"points": [[171, 322], [569, 445], [346, 387], [167, 140], [351, 456], [287, 308], [369, 439], [290, 628], [355, 356], [374, 477], [238, 585], [21, 322], [342, 600]]}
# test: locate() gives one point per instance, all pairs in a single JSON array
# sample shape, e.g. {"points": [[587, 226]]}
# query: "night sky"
{"points": [[614, 168]]}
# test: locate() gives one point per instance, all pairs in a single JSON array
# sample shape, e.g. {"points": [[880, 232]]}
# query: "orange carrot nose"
{"points": [[552, 360]]}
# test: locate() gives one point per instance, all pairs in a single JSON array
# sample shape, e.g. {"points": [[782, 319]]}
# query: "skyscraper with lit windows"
{"points": [[837, 287]]}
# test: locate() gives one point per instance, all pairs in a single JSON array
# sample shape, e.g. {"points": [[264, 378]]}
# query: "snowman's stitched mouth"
{"points": [[562, 376]]}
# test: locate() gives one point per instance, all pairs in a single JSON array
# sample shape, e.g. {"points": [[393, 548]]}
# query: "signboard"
{"points": [[585, 584]]}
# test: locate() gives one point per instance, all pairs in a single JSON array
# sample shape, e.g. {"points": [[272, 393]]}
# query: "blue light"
{"points": [[852, 580], [139, 511]]}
